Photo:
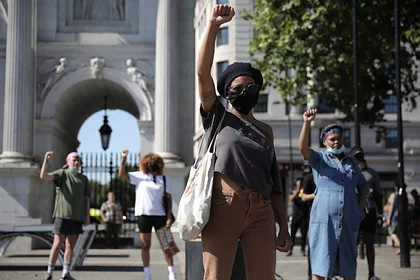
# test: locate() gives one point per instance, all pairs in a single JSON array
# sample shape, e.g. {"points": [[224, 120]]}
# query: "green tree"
{"points": [[314, 38], [98, 193], [125, 193]]}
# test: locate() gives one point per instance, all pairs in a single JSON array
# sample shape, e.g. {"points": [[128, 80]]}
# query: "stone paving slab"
{"points": [[126, 264]]}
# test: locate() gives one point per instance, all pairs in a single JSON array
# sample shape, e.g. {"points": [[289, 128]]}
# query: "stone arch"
{"points": [[77, 96], [48, 106]]}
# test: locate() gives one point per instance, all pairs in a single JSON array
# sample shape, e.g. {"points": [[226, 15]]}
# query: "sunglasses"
{"points": [[239, 90]]}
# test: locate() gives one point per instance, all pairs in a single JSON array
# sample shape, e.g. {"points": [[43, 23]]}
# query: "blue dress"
{"points": [[335, 215]]}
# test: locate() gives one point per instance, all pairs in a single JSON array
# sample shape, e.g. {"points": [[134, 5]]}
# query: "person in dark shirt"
{"points": [[299, 217], [247, 195], [308, 186], [370, 222]]}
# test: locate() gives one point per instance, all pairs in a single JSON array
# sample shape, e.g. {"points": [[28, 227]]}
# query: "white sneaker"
{"points": [[148, 277], [172, 276], [374, 278]]}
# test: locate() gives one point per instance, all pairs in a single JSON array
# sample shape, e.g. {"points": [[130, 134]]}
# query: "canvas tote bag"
{"points": [[195, 203]]}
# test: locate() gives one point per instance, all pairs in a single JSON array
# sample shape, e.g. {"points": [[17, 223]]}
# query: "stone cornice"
{"points": [[59, 49]]}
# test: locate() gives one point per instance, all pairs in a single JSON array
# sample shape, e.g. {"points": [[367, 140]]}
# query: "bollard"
{"points": [[194, 262]]}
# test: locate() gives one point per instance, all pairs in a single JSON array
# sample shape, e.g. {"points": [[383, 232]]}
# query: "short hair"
{"points": [[151, 158]]}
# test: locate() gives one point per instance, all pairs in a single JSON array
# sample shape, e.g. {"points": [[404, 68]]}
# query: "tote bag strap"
{"points": [[164, 184], [212, 140]]}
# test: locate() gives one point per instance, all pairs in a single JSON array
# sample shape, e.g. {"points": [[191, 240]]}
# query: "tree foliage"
{"points": [[314, 38]]}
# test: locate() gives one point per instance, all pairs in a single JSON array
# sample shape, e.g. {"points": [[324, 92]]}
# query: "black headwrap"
{"points": [[235, 70]]}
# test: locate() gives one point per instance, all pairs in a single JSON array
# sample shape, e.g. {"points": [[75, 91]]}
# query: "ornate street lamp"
{"points": [[105, 130]]}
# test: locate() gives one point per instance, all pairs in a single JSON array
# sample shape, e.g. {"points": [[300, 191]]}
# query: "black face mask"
{"points": [[243, 103], [151, 167]]}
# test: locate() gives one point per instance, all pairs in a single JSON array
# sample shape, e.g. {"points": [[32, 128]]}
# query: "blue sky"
{"points": [[125, 133]]}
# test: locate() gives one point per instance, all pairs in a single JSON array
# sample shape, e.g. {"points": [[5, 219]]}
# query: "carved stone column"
{"points": [[18, 131], [166, 90]]}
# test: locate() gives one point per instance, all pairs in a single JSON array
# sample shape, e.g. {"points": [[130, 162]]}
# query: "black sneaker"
{"points": [[67, 277], [49, 277], [289, 253]]}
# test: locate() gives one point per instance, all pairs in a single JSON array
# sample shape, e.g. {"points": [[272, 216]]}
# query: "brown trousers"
{"points": [[239, 215]]}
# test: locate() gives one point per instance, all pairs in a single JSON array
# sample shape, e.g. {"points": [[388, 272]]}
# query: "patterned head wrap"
{"points": [[330, 129]]}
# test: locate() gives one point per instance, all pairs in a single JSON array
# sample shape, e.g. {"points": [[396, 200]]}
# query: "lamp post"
{"points": [[402, 194], [355, 77], [105, 130]]}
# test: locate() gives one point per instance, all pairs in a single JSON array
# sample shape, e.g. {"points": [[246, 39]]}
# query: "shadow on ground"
{"points": [[83, 268]]}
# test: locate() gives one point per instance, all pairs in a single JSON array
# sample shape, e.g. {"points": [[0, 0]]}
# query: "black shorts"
{"points": [[145, 223], [368, 224], [67, 226]]}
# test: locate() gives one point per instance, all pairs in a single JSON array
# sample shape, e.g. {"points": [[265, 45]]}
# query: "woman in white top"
{"points": [[149, 209]]}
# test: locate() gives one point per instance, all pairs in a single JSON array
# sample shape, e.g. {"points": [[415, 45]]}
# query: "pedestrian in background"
{"points": [[71, 209], [300, 217], [337, 210], [151, 190], [308, 196], [111, 213], [373, 218], [392, 220]]}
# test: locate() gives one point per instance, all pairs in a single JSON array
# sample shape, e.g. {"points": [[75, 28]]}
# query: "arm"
{"points": [[168, 198], [122, 170], [277, 204], [308, 197], [220, 14], [87, 221], [362, 187], [308, 189], [363, 196], [169, 210], [308, 117], [293, 195], [378, 194], [121, 213], [390, 208], [44, 175], [103, 212], [87, 202]]}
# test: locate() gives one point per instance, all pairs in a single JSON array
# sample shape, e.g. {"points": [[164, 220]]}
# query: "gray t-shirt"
{"points": [[244, 153]]}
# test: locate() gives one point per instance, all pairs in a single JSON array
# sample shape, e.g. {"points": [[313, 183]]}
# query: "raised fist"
{"points": [[48, 155], [124, 153], [309, 115], [222, 14]]}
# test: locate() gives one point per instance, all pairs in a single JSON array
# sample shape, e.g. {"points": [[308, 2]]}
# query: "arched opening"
{"points": [[102, 167], [77, 97]]}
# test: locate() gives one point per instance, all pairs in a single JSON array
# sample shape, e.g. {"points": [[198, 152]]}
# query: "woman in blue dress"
{"points": [[337, 210]]}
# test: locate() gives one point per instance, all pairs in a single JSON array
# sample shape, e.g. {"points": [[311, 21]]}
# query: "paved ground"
{"points": [[126, 264]]}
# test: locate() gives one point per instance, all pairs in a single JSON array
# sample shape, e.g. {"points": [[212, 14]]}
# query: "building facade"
{"points": [[58, 61]]}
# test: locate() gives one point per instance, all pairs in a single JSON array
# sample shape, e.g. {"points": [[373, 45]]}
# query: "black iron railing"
{"points": [[102, 171]]}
